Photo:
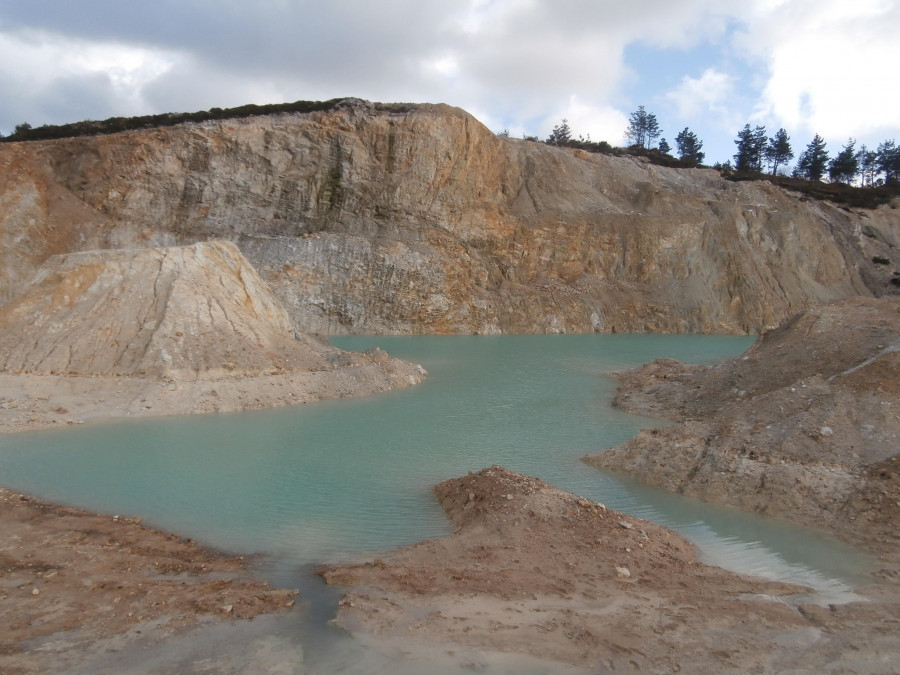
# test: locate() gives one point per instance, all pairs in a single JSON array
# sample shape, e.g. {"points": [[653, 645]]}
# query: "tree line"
{"points": [[756, 152], [870, 167]]}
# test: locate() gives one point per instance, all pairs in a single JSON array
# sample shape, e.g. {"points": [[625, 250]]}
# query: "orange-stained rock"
{"points": [[367, 219]]}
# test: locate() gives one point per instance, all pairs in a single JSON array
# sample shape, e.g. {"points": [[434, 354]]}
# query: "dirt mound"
{"points": [[164, 312], [534, 570], [794, 428], [165, 331]]}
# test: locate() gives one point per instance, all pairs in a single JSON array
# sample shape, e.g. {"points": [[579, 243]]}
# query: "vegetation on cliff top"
{"points": [[754, 148], [113, 125], [878, 172]]}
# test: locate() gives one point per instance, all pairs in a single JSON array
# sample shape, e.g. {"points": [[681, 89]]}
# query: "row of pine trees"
{"points": [[757, 152]]}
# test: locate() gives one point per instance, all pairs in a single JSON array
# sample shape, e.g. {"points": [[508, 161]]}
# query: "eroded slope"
{"points": [[165, 331], [804, 426]]}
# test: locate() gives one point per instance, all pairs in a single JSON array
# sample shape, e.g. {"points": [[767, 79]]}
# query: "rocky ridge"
{"points": [[804, 426], [420, 220]]}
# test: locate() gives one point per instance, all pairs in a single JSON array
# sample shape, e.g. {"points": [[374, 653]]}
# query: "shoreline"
{"points": [[182, 631], [77, 586], [533, 570], [31, 402], [470, 607]]}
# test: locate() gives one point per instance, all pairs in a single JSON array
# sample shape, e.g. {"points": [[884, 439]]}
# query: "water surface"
{"points": [[330, 480]]}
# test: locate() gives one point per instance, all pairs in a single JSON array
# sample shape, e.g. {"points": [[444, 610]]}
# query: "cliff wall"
{"points": [[423, 221]]}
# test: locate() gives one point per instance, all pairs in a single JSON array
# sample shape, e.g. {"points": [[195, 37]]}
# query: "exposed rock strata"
{"points": [[535, 570], [804, 426], [426, 222], [165, 331]]}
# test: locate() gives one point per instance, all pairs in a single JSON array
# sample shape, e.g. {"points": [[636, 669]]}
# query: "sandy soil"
{"points": [[535, 570], [76, 586], [29, 402]]}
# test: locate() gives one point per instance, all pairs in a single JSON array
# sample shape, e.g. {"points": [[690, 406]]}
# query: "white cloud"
{"points": [[830, 65], [712, 91], [521, 64], [55, 77], [599, 122]]}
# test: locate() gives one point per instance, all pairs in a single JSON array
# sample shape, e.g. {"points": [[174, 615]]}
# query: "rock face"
{"points": [[420, 220], [804, 426], [165, 331]]}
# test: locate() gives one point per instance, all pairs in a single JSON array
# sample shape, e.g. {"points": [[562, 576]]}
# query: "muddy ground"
{"points": [[538, 571], [76, 587]]}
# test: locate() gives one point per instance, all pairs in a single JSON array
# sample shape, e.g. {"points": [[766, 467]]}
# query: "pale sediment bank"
{"points": [[30, 402]]}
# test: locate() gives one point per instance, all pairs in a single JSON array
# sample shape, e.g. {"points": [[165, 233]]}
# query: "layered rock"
{"points": [[420, 220], [804, 426]]}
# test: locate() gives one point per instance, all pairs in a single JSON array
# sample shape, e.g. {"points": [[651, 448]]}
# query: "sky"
{"points": [[811, 66]]}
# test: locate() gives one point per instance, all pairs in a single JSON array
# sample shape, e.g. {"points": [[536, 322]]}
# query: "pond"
{"points": [[326, 481]]}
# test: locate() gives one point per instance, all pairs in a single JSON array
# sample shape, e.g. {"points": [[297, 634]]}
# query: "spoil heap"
{"points": [[165, 331], [804, 426]]}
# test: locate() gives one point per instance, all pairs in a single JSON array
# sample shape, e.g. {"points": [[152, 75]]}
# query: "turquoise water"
{"points": [[334, 479]]}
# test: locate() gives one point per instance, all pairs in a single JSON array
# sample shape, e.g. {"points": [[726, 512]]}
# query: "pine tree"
{"points": [[813, 161], [759, 147], [664, 146], [643, 128], [889, 160], [653, 130], [689, 147], [561, 134], [868, 165], [779, 151], [844, 167], [751, 145]]}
